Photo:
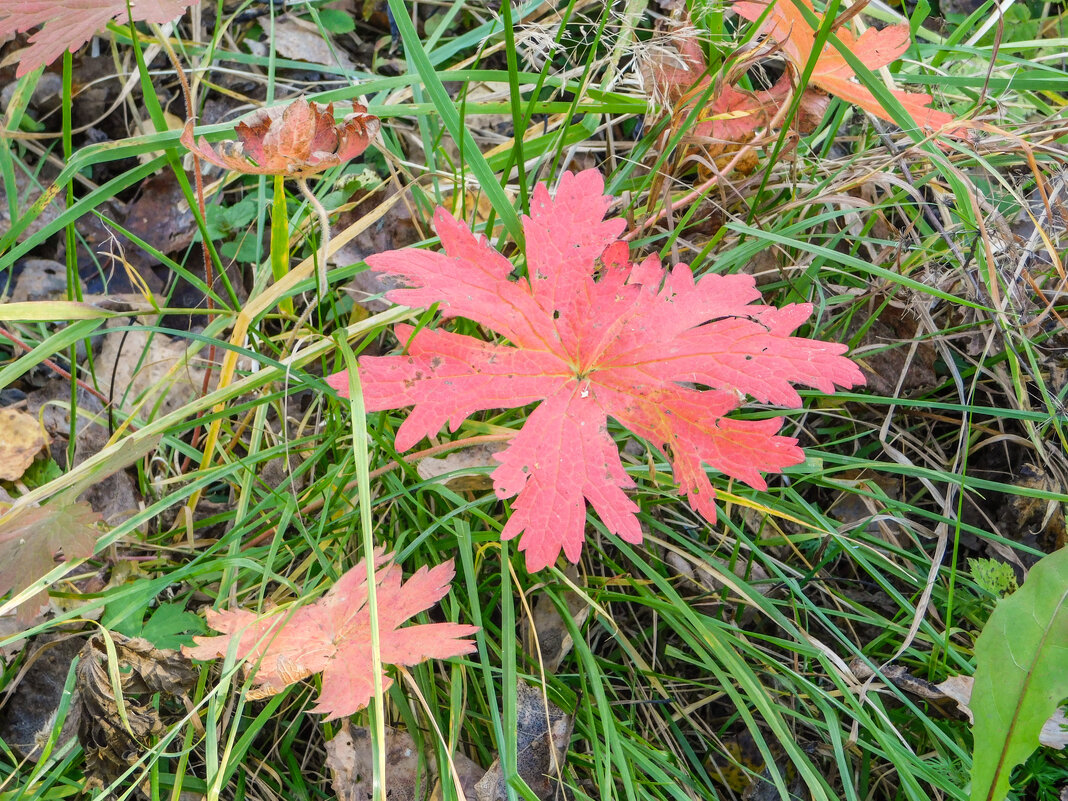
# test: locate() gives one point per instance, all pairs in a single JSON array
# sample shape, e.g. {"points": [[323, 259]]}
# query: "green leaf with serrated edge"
{"points": [[997, 578], [1019, 677], [41, 472], [172, 626], [126, 606], [241, 214]]}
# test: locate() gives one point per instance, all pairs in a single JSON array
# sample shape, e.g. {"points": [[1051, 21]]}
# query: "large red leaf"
{"points": [[333, 635], [594, 336], [69, 24], [786, 25]]}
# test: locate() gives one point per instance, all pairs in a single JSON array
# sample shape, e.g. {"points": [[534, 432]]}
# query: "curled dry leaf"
{"points": [[545, 635], [296, 140], [411, 772], [149, 678], [786, 25], [68, 25], [302, 40], [333, 635], [349, 757], [950, 698], [630, 345], [1054, 732]]}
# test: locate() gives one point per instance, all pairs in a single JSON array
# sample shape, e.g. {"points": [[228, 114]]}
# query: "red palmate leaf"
{"points": [[333, 635], [786, 25], [629, 346], [298, 139], [732, 115], [69, 24]]}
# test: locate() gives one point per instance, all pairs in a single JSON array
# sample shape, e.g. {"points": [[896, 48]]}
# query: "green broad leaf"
{"points": [[433, 22], [997, 578], [241, 214], [222, 221], [333, 199], [215, 222], [41, 472], [243, 250], [125, 611], [1019, 677], [171, 626], [336, 21]]}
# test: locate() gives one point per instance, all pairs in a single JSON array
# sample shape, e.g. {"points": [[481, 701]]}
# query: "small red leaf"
{"points": [[69, 24], [296, 140], [594, 336], [333, 635], [733, 115], [786, 25]]}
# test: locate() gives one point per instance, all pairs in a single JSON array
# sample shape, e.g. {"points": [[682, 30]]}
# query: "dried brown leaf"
{"points": [[543, 733], [118, 723], [546, 636], [462, 467]]}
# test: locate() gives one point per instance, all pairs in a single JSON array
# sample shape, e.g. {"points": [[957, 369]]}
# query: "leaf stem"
{"points": [[198, 180]]}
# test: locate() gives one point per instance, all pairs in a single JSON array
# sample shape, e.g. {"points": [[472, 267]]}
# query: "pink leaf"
{"points": [[593, 337], [562, 458], [729, 114], [31, 539], [732, 115], [333, 635], [69, 24]]}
